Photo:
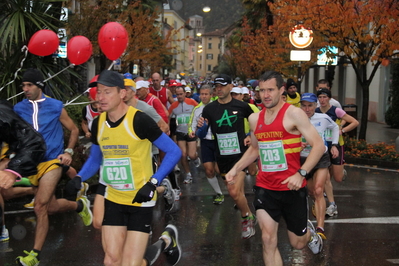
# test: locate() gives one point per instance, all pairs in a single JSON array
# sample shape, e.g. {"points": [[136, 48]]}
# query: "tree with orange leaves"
{"points": [[366, 32]]}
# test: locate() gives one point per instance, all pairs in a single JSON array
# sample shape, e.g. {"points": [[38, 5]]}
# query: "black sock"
{"points": [[38, 253], [80, 206], [173, 181]]}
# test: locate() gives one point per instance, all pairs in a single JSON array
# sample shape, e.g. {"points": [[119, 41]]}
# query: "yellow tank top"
{"points": [[127, 160]]}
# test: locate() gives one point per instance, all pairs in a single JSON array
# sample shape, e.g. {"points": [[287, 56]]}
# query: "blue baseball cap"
{"points": [[309, 97], [128, 76]]}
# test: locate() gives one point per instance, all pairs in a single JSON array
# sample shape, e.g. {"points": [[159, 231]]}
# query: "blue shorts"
{"points": [[208, 150]]}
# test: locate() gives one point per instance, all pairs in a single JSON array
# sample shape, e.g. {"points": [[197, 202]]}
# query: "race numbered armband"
{"points": [[228, 143], [118, 174], [272, 156]]}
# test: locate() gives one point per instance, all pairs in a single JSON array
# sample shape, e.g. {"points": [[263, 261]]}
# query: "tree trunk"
{"points": [[365, 104]]}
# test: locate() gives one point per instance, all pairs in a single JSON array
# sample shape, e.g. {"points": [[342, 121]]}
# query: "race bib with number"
{"points": [[183, 119], [118, 174], [228, 143], [272, 156], [328, 134]]}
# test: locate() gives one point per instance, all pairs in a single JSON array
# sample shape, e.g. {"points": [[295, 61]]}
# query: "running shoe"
{"points": [[316, 242], [219, 199], [86, 214], [177, 169], [248, 226], [4, 235], [177, 194], [30, 205], [188, 179], [173, 251], [345, 175], [320, 231], [332, 210], [169, 194], [29, 260], [197, 162], [83, 191]]}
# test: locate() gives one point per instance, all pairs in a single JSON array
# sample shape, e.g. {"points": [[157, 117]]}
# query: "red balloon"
{"points": [[79, 50], [385, 62], [113, 40], [43, 42]]}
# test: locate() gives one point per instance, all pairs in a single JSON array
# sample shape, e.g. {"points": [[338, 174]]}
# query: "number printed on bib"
{"points": [[272, 156], [118, 173], [183, 119], [228, 143]]}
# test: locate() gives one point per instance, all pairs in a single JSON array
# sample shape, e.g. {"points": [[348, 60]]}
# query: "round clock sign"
{"points": [[301, 37]]}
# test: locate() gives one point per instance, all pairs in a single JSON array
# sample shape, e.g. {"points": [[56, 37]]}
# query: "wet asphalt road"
{"points": [[365, 231]]}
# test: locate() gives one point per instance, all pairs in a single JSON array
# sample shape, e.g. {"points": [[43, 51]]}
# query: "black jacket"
{"points": [[23, 140]]}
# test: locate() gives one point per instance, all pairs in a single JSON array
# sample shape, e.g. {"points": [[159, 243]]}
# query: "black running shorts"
{"points": [[292, 205], [134, 218]]}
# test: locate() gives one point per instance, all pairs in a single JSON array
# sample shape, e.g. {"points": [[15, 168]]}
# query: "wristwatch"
{"points": [[154, 181], [302, 172], [69, 150]]}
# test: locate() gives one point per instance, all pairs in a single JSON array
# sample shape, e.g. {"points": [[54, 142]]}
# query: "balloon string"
{"points": [[113, 62], [24, 48], [68, 103], [71, 65], [15, 95]]}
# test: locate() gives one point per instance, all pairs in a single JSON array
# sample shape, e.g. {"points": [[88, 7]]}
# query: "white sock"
{"points": [[215, 184]]}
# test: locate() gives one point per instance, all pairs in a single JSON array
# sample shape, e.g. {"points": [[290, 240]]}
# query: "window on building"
{"points": [[200, 66], [209, 68], [209, 56], [209, 45]]}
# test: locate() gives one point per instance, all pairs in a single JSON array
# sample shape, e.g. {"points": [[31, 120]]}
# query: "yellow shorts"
{"points": [[43, 168], [4, 149]]}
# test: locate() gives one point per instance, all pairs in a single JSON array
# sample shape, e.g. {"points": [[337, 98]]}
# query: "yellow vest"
{"points": [[127, 160], [295, 102]]}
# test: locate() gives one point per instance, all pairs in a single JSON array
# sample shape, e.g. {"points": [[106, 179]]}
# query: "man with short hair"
{"points": [[317, 177], [122, 138], [163, 94], [181, 110], [208, 145], [226, 118], [142, 90], [280, 184], [293, 97], [48, 117]]}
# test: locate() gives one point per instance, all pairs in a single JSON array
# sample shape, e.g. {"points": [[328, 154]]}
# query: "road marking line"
{"points": [[369, 220], [394, 261]]}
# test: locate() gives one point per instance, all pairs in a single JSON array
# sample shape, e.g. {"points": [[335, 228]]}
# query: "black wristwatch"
{"points": [[302, 172], [154, 181], [336, 145]]}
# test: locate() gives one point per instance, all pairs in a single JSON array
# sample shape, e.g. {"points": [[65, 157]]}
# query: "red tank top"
{"points": [[278, 152], [161, 94]]}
